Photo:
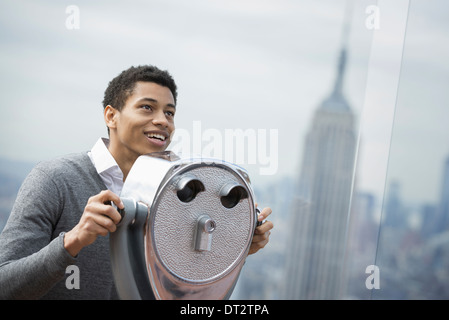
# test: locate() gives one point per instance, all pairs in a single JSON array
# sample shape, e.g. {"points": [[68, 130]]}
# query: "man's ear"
{"points": [[110, 116]]}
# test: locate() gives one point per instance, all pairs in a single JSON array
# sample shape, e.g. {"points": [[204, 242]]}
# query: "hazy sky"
{"points": [[238, 65]]}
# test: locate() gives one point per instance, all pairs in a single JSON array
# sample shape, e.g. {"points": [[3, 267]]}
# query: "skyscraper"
{"points": [[316, 247]]}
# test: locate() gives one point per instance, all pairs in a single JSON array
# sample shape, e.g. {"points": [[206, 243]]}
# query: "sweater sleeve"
{"points": [[32, 259]]}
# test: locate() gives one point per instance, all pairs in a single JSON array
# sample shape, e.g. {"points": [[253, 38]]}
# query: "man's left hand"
{"points": [[262, 232]]}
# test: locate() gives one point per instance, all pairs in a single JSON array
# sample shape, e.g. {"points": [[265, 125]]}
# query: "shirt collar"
{"points": [[102, 158]]}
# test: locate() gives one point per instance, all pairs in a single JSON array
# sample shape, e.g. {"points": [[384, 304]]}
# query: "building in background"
{"points": [[316, 248]]}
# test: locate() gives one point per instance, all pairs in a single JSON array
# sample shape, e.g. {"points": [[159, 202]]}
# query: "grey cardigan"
{"points": [[33, 260]]}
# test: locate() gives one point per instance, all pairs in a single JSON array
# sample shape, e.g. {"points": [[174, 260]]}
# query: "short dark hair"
{"points": [[122, 86]]}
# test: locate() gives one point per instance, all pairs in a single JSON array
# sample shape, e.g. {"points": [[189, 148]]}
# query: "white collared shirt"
{"points": [[106, 166]]}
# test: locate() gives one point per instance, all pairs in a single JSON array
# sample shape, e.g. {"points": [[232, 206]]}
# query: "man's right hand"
{"points": [[99, 218]]}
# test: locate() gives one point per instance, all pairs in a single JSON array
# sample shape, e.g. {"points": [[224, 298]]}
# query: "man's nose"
{"points": [[160, 119]]}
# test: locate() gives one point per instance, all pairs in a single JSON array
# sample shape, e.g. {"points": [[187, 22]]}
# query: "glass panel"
{"points": [[413, 249], [376, 124]]}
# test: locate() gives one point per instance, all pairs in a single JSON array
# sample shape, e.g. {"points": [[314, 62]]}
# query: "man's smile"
{"points": [[157, 137]]}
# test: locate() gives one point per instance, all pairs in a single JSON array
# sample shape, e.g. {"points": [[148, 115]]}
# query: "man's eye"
{"points": [[170, 113], [146, 107]]}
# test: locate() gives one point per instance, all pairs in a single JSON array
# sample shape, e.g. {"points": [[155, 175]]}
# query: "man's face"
{"points": [[145, 123]]}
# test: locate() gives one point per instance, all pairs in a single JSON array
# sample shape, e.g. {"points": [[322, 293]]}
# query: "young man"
{"points": [[62, 206]]}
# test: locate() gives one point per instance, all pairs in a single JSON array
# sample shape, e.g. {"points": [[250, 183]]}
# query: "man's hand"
{"points": [[99, 218], [262, 233]]}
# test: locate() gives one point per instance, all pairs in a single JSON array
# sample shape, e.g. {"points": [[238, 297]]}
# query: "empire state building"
{"points": [[320, 210]]}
